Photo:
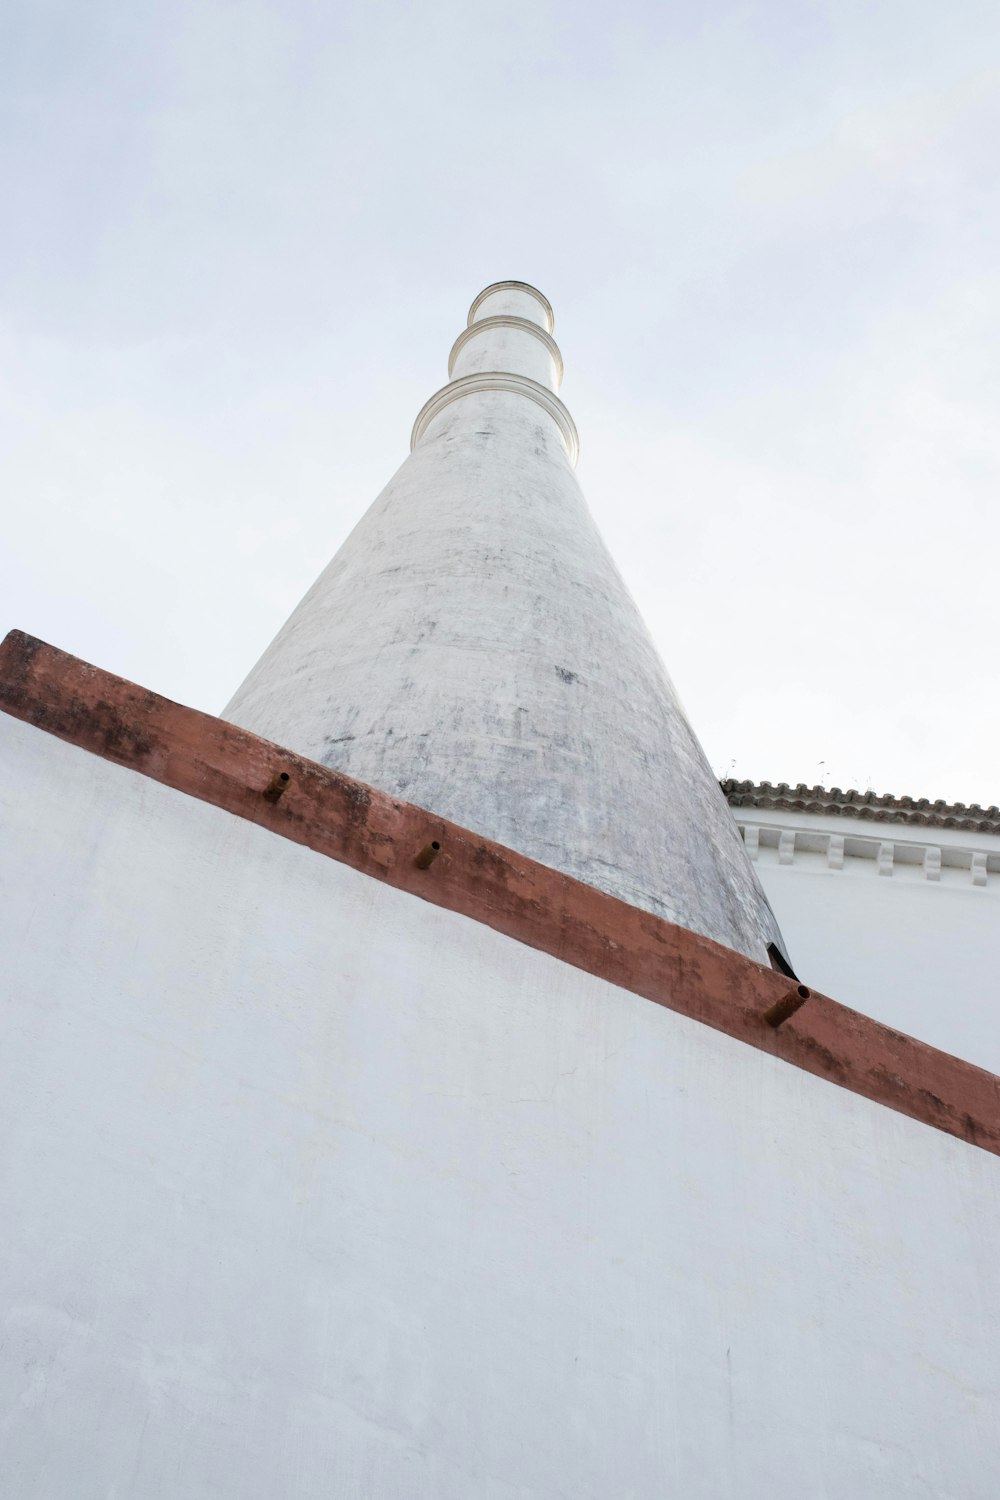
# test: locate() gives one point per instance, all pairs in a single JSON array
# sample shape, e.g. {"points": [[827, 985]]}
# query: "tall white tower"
{"points": [[348, 1150], [473, 648]]}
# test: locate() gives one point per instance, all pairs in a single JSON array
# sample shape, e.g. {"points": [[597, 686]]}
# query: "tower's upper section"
{"points": [[509, 328], [507, 345], [472, 648]]}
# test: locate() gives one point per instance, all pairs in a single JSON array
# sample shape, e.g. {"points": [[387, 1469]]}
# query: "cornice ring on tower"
{"points": [[517, 286], [508, 320], [517, 385]]}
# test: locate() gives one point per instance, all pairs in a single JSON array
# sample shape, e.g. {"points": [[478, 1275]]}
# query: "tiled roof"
{"points": [[870, 807]]}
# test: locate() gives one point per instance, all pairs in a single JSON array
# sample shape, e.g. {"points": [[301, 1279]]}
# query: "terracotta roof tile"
{"points": [[871, 807]]}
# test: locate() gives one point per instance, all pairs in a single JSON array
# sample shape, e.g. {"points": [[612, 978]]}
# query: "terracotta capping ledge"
{"points": [[379, 836]]}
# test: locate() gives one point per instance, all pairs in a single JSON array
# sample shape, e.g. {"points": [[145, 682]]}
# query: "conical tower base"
{"points": [[472, 648]]}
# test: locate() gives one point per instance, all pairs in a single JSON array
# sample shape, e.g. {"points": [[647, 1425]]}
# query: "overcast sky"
{"points": [[239, 240]]}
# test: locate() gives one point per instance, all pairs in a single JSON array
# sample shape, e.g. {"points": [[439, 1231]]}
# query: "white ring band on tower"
{"points": [[522, 325], [516, 297], [518, 385]]}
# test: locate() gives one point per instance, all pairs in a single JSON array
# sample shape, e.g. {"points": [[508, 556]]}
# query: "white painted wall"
{"points": [[311, 1189], [901, 923]]}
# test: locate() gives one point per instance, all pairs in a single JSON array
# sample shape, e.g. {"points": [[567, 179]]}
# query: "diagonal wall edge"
{"points": [[380, 836]]}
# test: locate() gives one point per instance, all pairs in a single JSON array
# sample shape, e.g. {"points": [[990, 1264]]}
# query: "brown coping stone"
{"points": [[372, 832]]}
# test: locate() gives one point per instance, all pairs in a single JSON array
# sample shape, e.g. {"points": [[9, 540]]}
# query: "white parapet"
{"points": [[314, 1189]]}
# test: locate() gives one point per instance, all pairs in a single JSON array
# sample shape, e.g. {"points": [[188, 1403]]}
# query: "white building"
{"points": [[890, 903], [401, 1094]]}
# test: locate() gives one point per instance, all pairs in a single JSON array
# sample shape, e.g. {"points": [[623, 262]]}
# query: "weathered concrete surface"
{"points": [[473, 648]]}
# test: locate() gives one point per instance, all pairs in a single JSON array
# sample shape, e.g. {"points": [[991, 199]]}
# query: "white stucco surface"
{"points": [[311, 1189], [473, 648], [900, 923]]}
